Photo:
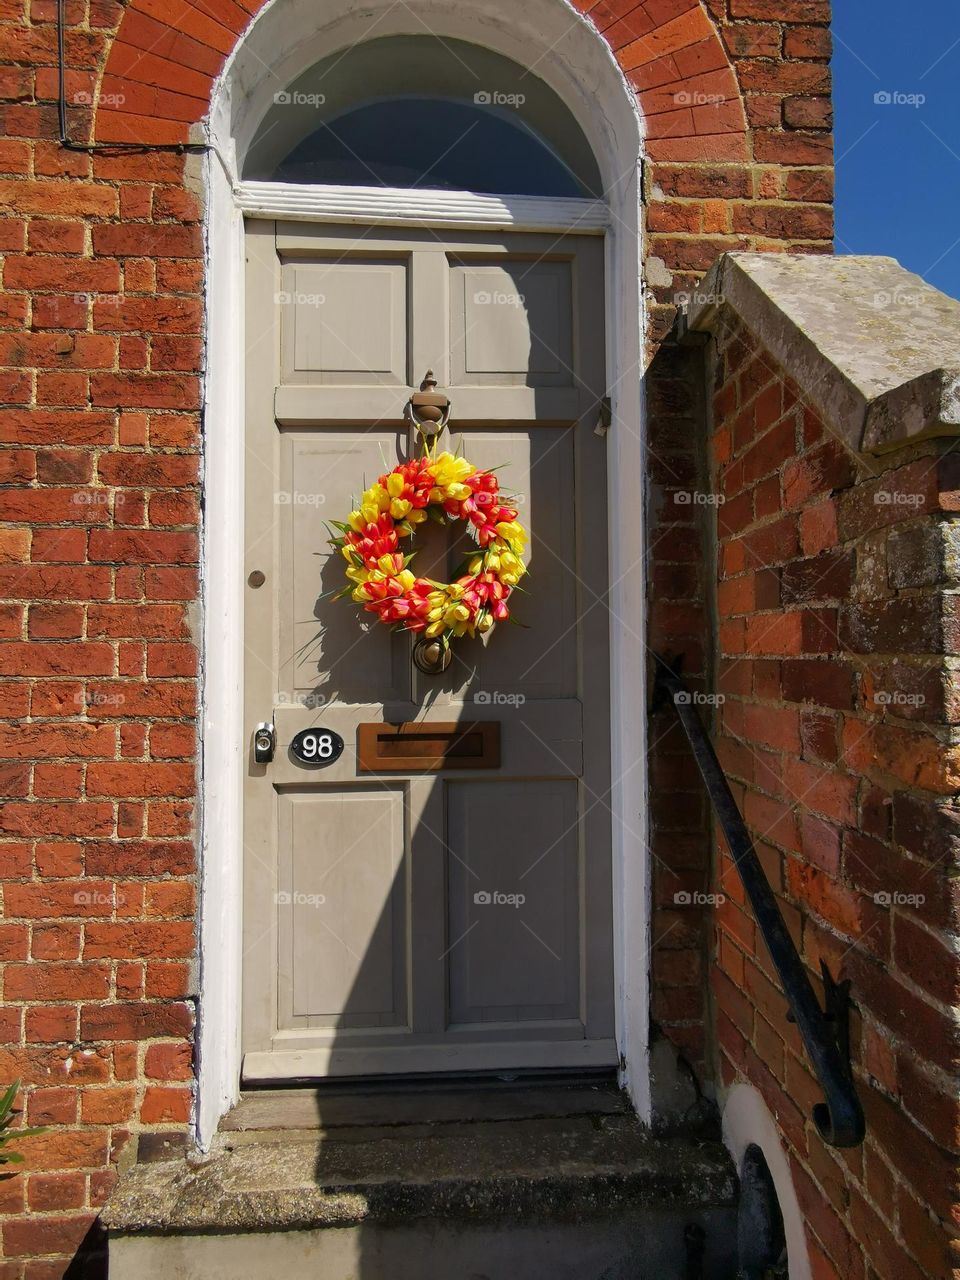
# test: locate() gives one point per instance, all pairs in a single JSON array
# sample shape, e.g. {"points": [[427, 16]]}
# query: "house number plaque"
{"points": [[316, 747]]}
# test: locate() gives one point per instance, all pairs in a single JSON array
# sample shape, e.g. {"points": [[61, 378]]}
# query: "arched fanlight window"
{"points": [[418, 111]]}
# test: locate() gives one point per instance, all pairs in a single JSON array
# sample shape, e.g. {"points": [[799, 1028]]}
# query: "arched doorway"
{"points": [[580, 73]]}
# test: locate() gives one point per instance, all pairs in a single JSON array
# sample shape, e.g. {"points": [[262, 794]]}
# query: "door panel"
{"points": [[511, 324], [343, 939], [446, 921], [318, 636], [517, 919], [344, 322]]}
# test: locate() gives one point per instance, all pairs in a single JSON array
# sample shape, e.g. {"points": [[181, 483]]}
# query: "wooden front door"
{"points": [[458, 920]]}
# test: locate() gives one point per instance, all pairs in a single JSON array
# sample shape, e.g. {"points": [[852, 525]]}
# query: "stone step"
{"points": [[521, 1184]]}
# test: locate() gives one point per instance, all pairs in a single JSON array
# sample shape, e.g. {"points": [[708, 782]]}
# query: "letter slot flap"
{"points": [[428, 747]]}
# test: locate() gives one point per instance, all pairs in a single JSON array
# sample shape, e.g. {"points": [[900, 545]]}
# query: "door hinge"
{"points": [[604, 417]]}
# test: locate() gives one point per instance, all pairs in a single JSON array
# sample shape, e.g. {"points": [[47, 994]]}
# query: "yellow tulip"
{"points": [[399, 508], [511, 531]]}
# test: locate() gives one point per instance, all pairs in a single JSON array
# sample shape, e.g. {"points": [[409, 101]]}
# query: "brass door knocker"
{"points": [[428, 409]]}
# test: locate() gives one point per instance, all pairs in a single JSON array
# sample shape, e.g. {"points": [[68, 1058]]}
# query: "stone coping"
{"points": [[871, 345]]}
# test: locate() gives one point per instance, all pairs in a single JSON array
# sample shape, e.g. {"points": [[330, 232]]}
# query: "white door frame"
{"points": [[287, 37]]}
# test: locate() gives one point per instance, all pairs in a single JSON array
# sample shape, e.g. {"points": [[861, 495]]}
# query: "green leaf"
{"points": [[6, 1102]]}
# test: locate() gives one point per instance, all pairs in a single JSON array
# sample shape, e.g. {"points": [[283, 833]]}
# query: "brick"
{"points": [[24, 1237], [169, 1061], [819, 736], [147, 240], [166, 939], [143, 546], [159, 622], [808, 113], [926, 827], [828, 793], [772, 544], [807, 42], [108, 1105], [128, 779], [135, 1021], [165, 1105], [905, 624], [772, 820], [825, 681], [56, 819], [927, 960]]}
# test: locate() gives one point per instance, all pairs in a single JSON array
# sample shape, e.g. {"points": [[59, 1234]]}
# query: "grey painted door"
{"points": [[459, 921]]}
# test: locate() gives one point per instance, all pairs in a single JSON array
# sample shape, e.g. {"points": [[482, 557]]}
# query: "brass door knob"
{"points": [[431, 656]]}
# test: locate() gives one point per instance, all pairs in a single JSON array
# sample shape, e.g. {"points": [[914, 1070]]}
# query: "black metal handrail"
{"points": [[825, 1032]]}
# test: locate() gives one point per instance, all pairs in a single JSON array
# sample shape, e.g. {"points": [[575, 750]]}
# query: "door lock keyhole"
{"points": [[264, 742]]}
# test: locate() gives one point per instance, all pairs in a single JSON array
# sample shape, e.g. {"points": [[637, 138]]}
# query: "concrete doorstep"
{"points": [[445, 1185]]}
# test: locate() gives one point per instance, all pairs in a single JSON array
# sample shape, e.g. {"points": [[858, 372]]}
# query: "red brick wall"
{"points": [[101, 351], [836, 610], [767, 189]]}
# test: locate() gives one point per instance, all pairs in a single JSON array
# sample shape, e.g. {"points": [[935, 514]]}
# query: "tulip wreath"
{"points": [[445, 488]]}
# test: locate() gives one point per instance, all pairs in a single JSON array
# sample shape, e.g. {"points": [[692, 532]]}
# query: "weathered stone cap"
{"points": [[871, 345]]}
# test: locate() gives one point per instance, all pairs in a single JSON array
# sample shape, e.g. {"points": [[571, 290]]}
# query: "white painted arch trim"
{"points": [[561, 47], [403, 207], [747, 1122]]}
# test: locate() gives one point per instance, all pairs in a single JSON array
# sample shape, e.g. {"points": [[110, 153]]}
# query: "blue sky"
{"points": [[898, 161]]}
